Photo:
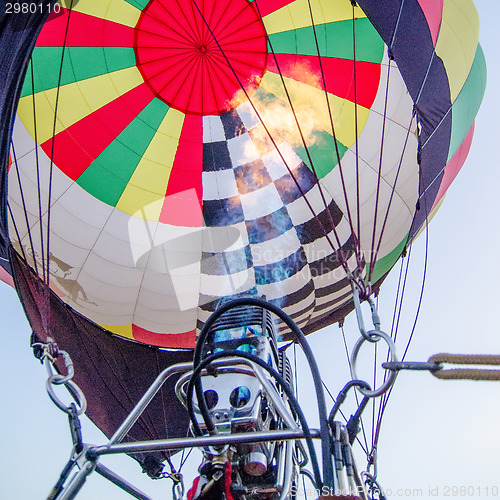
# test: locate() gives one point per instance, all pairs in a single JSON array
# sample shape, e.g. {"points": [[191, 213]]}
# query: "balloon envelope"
{"points": [[169, 154]]}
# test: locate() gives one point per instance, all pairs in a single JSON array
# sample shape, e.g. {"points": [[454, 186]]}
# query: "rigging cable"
{"points": [[365, 439], [373, 256], [330, 115], [365, 449], [306, 147], [16, 229], [266, 128], [398, 303], [51, 168], [387, 396], [26, 220], [358, 215], [38, 180]]}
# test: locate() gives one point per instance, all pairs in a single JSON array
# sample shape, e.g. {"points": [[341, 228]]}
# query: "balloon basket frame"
{"points": [[87, 458]]}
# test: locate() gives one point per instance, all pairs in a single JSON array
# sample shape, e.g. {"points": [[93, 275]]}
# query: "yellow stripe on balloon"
{"points": [[122, 330], [145, 193], [76, 101], [311, 111], [117, 11], [459, 34], [296, 15], [124, 79]]}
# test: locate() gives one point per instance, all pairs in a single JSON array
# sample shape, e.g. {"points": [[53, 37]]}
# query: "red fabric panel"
{"points": [[84, 31], [339, 75], [433, 12], [228, 481], [196, 68], [185, 340], [266, 7], [454, 165], [79, 145], [183, 199]]}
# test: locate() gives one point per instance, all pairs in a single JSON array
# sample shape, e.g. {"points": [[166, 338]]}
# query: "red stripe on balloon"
{"points": [[454, 165], [178, 56], [76, 147], [270, 6], [339, 75], [433, 11], [84, 31], [185, 340], [183, 199]]}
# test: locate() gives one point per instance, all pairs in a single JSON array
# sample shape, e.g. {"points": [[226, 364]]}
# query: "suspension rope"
{"points": [[384, 224], [466, 373], [363, 430], [398, 303], [184, 458], [385, 400], [358, 215], [23, 200], [51, 168], [373, 257], [306, 147], [396, 315], [424, 275], [16, 229], [330, 115], [38, 180], [266, 129]]}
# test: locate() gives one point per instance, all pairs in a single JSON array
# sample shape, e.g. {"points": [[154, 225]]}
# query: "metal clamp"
{"points": [[359, 314], [375, 336], [57, 378], [75, 392]]}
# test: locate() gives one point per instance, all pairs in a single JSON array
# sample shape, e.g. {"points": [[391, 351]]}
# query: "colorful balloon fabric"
{"points": [[191, 150]]}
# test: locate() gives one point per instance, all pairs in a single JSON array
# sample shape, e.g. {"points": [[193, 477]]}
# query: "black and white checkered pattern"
{"points": [[282, 251]]}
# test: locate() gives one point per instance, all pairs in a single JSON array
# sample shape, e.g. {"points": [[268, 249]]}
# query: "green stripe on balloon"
{"points": [[140, 4], [108, 175], [334, 39], [385, 264], [79, 63], [321, 146], [322, 152], [466, 105]]}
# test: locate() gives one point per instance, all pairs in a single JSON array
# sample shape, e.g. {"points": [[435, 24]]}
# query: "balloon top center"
{"points": [[201, 58]]}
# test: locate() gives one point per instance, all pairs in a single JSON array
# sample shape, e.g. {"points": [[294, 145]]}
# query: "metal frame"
{"points": [[88, 459]]}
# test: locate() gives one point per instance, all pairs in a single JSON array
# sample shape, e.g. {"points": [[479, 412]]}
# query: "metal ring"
{"points": [[376, 335], [74, 390]]}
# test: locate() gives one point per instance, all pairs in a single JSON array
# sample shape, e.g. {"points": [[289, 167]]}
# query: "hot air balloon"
{"points": [[168, 156]]}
